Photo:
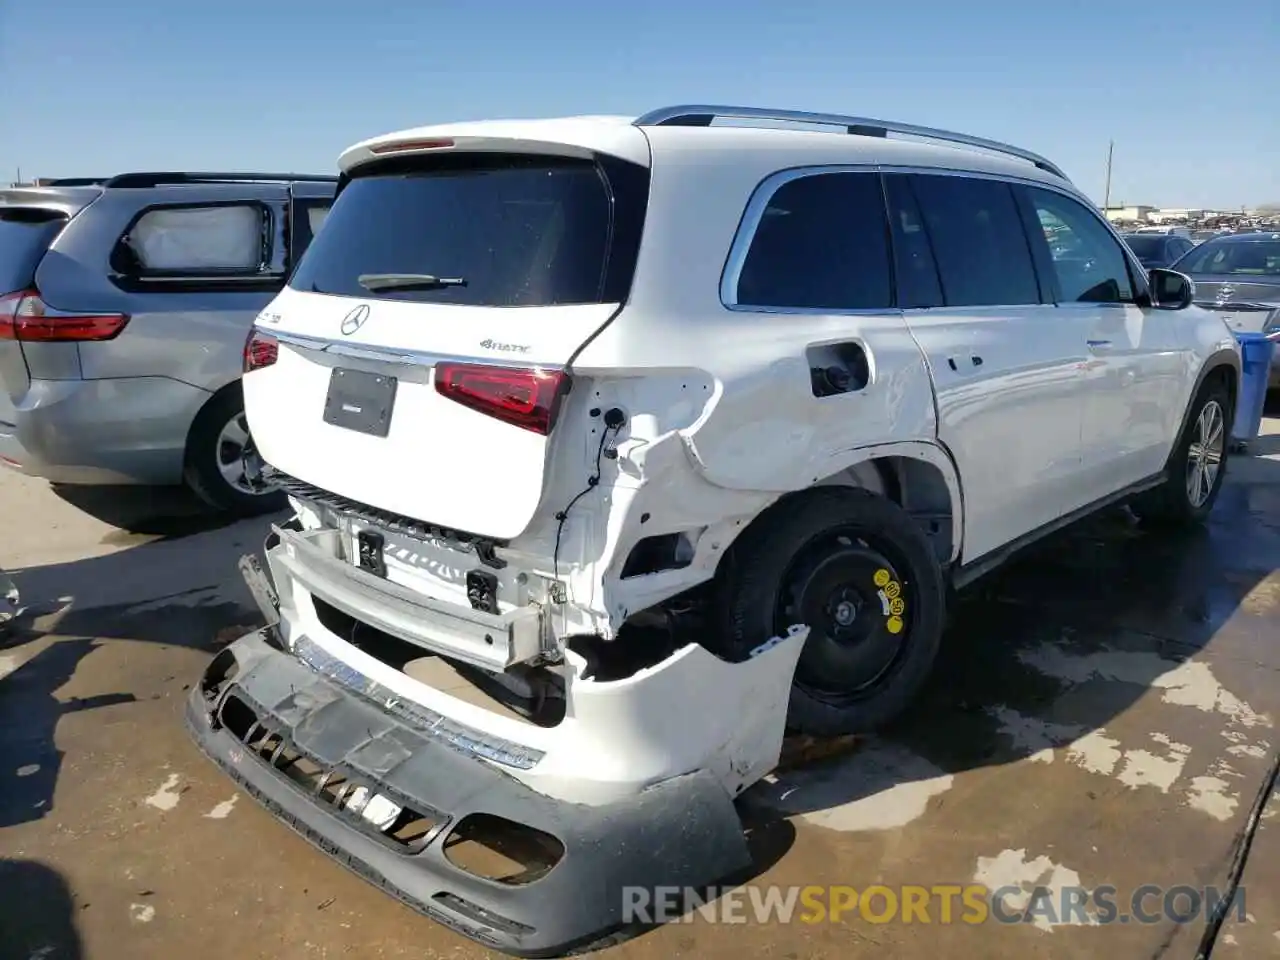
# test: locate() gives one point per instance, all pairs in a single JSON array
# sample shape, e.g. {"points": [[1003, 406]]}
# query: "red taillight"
{"points": [[25, 316], [525, 398], [260, 350]]}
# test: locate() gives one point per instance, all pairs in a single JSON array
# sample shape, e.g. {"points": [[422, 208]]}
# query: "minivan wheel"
{"points": [[217, 447], [862, 575], [1197, 466]]}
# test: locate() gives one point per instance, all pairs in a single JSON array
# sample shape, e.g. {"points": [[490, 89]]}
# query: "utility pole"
{"points": [[1106, 201]]}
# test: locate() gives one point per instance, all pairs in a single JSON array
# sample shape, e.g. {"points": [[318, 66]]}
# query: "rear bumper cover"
{"points": [[683, 832]]}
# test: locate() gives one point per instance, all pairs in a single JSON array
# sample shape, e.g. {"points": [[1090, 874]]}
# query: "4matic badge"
{"points": [[505, 347]]}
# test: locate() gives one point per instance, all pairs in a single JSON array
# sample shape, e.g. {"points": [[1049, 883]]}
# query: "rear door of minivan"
{"points": [[418, 357], [25, 235]]}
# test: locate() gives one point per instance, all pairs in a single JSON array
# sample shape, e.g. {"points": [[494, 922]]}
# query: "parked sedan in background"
{"points": [[1238, 275], [1157, 249]]}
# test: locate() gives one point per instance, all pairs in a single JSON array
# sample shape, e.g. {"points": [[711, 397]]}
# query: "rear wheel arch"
{"points": [[918, 476]]}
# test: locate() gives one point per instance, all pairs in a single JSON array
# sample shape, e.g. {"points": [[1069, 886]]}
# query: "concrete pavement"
{"points": [[1104, 717]]}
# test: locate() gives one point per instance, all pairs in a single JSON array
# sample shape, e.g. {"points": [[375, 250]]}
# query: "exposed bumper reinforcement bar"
{"points": [[490, 641], [683, 832]]}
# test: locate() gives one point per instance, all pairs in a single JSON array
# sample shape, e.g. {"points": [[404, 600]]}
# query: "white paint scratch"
{"points": [[1258, 751], [142, 912], [166, 798], [1040, 877], [1210, 795], [28, 770], [879, 788], [1142, 768], [222, 810], [8, 665], [1096, 752], [1031, 734]]}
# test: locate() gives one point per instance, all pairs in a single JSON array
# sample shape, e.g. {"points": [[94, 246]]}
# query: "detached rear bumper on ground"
{"points": [[303, 746]]}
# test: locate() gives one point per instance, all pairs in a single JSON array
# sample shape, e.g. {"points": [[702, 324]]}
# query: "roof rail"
{"points": [[701, 115], [75, 182], [171, 178]]}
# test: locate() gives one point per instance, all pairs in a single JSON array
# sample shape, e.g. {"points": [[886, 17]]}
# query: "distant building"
{"points": [[1127, 213], [1186, 215]]}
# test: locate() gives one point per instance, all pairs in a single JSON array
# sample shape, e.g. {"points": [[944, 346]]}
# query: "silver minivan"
{"points": [[125, 304]]}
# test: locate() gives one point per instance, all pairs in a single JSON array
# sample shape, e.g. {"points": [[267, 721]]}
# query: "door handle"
{"points": [[1098, 344]]}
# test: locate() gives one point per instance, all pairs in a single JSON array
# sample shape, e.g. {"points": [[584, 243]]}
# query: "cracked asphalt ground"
{"points": [[1103, 717]]}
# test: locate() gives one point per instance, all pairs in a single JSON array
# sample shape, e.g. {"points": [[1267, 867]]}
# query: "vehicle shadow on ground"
{"points": [[179, 591], [1106, 600], [148, 511], [37, 913]]}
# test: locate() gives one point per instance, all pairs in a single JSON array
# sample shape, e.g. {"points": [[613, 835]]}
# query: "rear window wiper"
{"points": [[407, 281]]}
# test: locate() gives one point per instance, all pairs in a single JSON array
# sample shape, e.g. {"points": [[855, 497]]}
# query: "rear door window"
{"points": [[25, 235], [822, 244], [496, 230], [978, 240]]}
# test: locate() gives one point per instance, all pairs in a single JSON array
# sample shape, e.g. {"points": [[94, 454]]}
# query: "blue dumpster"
{"points": [[1255, 367]]}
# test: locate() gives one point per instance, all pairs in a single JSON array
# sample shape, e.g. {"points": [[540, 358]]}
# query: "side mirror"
{"points": [[1171, 290]]}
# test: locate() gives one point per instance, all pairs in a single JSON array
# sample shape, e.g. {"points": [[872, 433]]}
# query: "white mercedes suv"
{"points": [[619, 446]]}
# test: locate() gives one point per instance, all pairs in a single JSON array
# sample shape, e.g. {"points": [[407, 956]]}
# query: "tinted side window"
{"points": [[917, 273], [1087, 261], [978, 240], [821, 244]]}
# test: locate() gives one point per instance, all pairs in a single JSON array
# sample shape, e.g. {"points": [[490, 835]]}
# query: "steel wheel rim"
{"points": [[1204, 456], [846, 690], [233, 448]]}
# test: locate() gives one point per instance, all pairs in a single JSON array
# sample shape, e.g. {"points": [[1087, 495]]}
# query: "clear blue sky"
{"points": [[1189, 91]]}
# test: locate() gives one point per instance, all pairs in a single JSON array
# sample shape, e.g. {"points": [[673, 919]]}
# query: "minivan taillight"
{"points": [[523, 397], [260, 350], [25, 316]]}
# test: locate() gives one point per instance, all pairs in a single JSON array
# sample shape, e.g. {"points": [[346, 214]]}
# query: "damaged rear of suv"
{"points": [[613, 455]]}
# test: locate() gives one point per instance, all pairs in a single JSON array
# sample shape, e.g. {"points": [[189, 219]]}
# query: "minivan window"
{"points": [[1088, 262], [496, 230], [25, 235], [821, 244], [978, 240]]}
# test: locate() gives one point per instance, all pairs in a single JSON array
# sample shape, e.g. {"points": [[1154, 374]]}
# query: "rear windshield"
{"points": [[1145, 246], [495, 230], [25, 235], [1246, 258]]}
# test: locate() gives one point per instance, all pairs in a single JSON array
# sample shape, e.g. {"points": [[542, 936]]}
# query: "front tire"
{"points": [[862, 574], [217, 447], [1197, 466]]}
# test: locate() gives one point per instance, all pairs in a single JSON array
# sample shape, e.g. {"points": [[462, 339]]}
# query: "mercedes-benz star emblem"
{"points": [[354, 320]]}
